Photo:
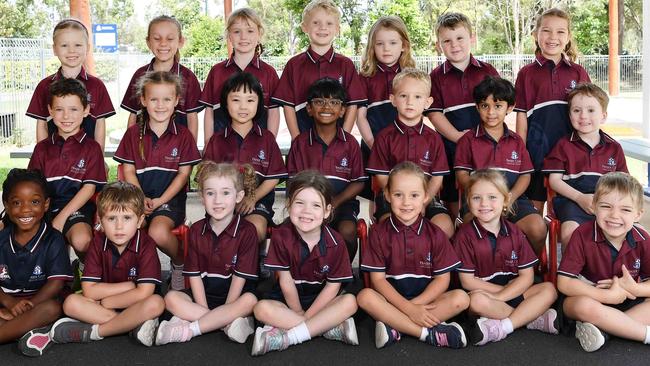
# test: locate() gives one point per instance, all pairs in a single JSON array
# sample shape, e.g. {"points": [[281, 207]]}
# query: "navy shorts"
{"points": [[382, 207], [367, 184], [522, 207], [536, 190], [214, 300], [567, 210], [85, 214], [449, 192], [306, 300], [174, 209], [264, 208], [347, 211]]}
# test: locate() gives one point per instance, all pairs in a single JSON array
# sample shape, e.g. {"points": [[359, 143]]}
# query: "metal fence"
{"points": [[24, 62]]}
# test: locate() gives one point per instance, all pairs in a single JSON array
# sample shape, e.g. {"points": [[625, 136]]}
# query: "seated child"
{"points": [[604, 269], [72, 163], [121, 276], [408, 139], [492, 145], [498, 263], [578, 160], [221, 262], [410, 261], [311, 261], [35, 264], [335, 153]]}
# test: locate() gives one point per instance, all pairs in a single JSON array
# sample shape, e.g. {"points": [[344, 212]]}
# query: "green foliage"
{"points": [[280, 26], [205, 38], [410, 13], [591, 26], [21, 18]]}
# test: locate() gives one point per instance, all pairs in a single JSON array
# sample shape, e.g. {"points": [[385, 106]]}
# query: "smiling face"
{"points": [[552, 36], [406, 195], [244, 36], [486, 203], [325, 111], [308, 210], [616, 213], [120, 226], [220, 196], [586, 115], [493, 112], [164, 40], [410, 98], [388, 46], [242, 106], [160, 101], [67, 113], [321, 27], [455, 44], [70, 47], [25, 206]]}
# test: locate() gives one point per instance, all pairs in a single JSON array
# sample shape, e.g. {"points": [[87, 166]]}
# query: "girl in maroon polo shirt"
{"points": [[311, 261], [221, 262], [498, 264]]}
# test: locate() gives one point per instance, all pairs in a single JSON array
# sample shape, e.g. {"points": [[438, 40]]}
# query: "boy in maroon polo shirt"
{"points": [[453, 111], [321, 21], [72, 163], [605, 267], [579, 159], [121, 276], [408, 139], [335, 153]]}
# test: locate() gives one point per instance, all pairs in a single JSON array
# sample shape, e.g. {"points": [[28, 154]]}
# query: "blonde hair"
{"points": [[413, 73], [70, 23], [453, 20], [243, 176], [570, 50], [120, 196], [247, 15], [494, 177], [407, 167], [369, 60], [591, 90], [620, 182], [327, 5], [174, 21]]}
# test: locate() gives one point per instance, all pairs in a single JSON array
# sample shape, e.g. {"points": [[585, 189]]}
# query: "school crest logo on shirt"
{"points": [[325, 269], [426, 155], [261, 155], [637, 264], [133, 272], [344, 162], [174, 152], [234, 259], [611, 161], [341, 79], [513, 256], [81, 163], [573, 84], [429, 257], [37, 271], [4, 272], [514, 155]]}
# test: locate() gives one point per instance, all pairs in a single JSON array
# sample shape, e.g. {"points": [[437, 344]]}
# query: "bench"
{"points": [[639, 149]]}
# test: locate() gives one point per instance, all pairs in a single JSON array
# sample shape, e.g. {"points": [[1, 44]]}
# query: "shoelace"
{"points": [[396, 335], [441, 339], [539, 323], [274, 340]]}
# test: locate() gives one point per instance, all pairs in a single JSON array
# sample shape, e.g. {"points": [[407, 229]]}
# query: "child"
{"points": [[245, 30], [453, 111], [408, 139], [493, 145], [120, 278], [409, 264], [327, 148], [311, 262], [164, 39], [221, 262], [321, 21], [578, 160], [542, 87], [72, 163], [604, 269], [35, 263], [70, 46], [245, 142], [157, 155], [497, 267]]}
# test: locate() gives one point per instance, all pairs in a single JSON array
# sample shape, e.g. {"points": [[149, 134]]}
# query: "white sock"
{"points": [[194, 327], [506, 325], [298, 334], [647, 335], [424, 334], [94, 333]]}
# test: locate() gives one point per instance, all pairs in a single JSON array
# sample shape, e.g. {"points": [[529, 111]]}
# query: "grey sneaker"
{"points": [[269, 339], [35, 342], [68, 330], [345, 332], [591, 338], [547, 322], [385, 335], [146, 332], [488, 330], [240, 329]]}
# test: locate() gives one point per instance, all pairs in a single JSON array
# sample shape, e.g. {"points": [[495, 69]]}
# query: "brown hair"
{"points": [[67, 86], [407, 167], [247, 15], [570, 50], [310, 179], [243, 176], [153, 77], [591, 90], [622, 183], [327, 5], [497, 179], [453, 20], [70, 23], [369, 60], [170, 19], [413, 73], [120, 196]]}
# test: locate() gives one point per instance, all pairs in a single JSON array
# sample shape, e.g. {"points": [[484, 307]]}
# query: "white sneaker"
{"points": [[240, 329], [345, 332], [590, 337], [146, 332]]}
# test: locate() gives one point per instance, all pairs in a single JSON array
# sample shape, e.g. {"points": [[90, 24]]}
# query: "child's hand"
{"points": [[20, 307], [585, 201], [617, 294], [59, 222], [246, 206], [5, 314], [422, 316], [627, 282], [148, 206], [155, 203]]}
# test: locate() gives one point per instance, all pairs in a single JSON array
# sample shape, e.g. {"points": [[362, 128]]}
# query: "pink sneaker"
{"points": [[35, 342], [546, 322], [488, 330], [169, 332]]}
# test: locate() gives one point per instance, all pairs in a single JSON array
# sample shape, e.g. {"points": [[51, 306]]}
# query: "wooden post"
{"points": [[80, 9], [613, 48], [227, 9]]}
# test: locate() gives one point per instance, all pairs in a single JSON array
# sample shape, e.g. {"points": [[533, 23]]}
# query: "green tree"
{"points": [[590, 26], [281, 26], [353, 20], [205, 38], [411, 14], [22, 18]]}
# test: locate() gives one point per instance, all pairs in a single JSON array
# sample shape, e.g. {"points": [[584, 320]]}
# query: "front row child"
{"points": [[605, 267], [221, 262], [498, 265], [311, 260], [410, 261], [120, 278], [35, 263]]}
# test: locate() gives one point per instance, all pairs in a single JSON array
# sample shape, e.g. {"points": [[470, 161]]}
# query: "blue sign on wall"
{"points": [[105, 37]]}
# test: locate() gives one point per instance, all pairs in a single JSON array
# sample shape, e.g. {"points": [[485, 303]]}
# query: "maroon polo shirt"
{"points": [[411, 256], [589, 254], [542, 88], [304, 69], [340, 162], [398, 143], [189, 101], [326, 262], [164, 156], [216, 258], [138, 262], [377, 88], [491, 258], [98, 99], [211, 95], [67, 165], [580, 165], [478, 150]]}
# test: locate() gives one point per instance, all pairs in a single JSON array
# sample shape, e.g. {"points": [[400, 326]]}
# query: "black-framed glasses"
{"points": [[322, 102]]}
